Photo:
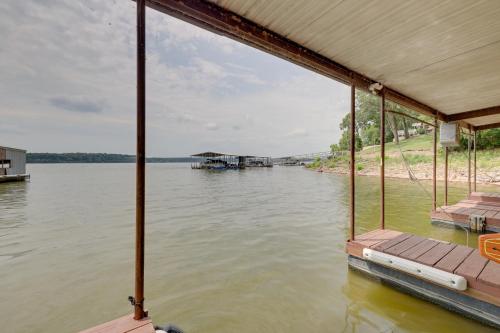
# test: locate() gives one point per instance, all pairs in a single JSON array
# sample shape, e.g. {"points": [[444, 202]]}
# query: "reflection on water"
{"points": [[258, 250]]}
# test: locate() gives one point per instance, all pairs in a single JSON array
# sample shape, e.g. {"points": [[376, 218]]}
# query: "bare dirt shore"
{"points": [[421, 172]]}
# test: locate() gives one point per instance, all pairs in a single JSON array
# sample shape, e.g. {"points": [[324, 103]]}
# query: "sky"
{"points": [[68, 84]]}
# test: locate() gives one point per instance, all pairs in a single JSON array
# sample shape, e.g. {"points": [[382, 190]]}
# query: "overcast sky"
{"points": [[68, 85]]}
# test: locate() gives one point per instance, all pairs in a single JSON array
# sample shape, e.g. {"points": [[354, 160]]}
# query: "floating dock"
{"points": [[126, 324], [482, 204], [13, 178], [403, 260]]}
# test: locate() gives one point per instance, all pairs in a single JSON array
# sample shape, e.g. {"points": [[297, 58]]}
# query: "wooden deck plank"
{"points": [[124, 324], [416, 251], [485, 196], [490, 274], [387, 244], [435, 254], [374, 239], [404, 245], [490, 213], [370, 234], [148, 328], [495, 205], [370, 239], [454, 258], [471, 267]]}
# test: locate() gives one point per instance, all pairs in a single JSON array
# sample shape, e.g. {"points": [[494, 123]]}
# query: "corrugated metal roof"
{"points": [[212, 154], [445, 54], [11, 148]]}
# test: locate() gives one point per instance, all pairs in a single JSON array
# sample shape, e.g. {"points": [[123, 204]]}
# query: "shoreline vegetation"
{"points": [[408, 144], [417, 152]]}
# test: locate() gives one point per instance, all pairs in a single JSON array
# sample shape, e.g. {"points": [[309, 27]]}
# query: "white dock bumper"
{"points": [[422, 271]]}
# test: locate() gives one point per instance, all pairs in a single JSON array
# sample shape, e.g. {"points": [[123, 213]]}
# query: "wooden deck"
{"points": [[481, 299], [482, 275], [478, 203], [124, 324]]}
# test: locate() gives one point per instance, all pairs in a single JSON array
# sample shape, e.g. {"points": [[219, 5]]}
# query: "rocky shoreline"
{"points": [[421, 172]]}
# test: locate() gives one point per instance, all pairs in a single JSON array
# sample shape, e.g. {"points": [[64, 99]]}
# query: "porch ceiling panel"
{"points": [[445, 54]]}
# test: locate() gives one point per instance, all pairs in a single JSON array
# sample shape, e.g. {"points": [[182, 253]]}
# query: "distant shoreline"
{"points": [[108, 162], [95, 158]]}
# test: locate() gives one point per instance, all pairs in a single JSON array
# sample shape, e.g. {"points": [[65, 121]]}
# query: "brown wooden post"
{"points": [[469, 161], [434, 165], [352, 232], [446, 176], [382, 160], [140, 161], [475, 162]]}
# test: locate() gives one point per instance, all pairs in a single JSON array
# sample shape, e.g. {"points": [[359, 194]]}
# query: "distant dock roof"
{"points": [[216, 154], [212, 154], [11, 148]]}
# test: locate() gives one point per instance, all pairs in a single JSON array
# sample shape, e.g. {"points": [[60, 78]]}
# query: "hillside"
{"points": [[418, 155]]}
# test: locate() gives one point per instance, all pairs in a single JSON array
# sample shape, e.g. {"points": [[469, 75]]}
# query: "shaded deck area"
{"points": [[478, 203], [124, 324], [481, 299]]}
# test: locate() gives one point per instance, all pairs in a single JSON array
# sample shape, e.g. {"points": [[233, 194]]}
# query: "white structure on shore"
{"points": [[12, 164]]}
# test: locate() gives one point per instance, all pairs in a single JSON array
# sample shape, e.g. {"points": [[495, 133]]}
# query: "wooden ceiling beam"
{"points": [[474, 113], [488, 126], [221, 21]]}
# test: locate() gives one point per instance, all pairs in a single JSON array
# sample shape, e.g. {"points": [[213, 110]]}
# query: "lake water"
{"points": [[258, 250]]}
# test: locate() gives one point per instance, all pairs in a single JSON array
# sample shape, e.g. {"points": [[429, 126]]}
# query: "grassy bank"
{"points": [[417, 152]]}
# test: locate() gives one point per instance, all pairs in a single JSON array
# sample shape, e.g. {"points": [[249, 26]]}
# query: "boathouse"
{"points": [[437, 58], [12, 164], [221, 161]]}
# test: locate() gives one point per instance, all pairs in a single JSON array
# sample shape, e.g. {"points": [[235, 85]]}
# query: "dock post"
{"points": [[475, 161], [469, 160], [140, 161], [352, 232], [434, 165], [446, 176], [382, 160]]}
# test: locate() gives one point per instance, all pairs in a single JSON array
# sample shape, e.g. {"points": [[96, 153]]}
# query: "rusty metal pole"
{"points": [[469, 161], [475, 162], [434, 165], [446, 176], [382, 160], [353, 160], [141, 161]]}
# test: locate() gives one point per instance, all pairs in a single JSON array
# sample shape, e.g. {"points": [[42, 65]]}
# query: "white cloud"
{"points": [[211, 126], [64, 56], [298, 132]]}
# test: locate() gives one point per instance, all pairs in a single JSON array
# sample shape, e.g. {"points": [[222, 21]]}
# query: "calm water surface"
{"points": [[258, 250]]}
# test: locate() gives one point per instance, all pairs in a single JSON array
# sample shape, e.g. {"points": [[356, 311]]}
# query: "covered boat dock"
{"points": [[437, 58]]}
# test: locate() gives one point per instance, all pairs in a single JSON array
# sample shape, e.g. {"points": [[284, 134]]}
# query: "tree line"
{"points": [[96, 158], [367, 125]]}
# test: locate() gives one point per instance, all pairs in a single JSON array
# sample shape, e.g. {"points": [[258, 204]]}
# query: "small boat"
{"points": [[489, 246]]}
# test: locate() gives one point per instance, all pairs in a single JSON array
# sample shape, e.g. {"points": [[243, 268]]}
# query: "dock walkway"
{"points": [[126, 324], [480, 300], [478, 203]]}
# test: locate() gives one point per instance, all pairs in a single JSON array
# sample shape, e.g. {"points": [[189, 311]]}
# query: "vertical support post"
{"points": [[469, 160], [475, 161], [140, 161], [382, 160], [434, 165], [353, 160], [446, 176]]}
